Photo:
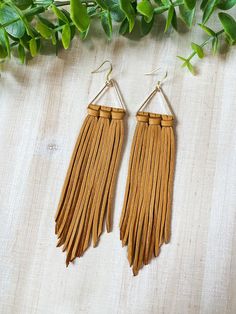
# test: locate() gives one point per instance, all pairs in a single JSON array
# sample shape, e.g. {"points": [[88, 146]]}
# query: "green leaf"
{"points": [[174, 21], [5, 44], [207, 30], [84, 34], [203, 4], [209, 9], [107, 23], [116, 13], [66, 36], [59, 14], [22, 17], [72, 27], [3, 52], [7, 14], [128, 10], [229, 25], [198, 49], [165, 2], [182, 58], [145, 8], [226, 4], [46, 22], [43, 30], [102, 4], [79, 15], [187, 15], [33, 47], [161, 9], [190, 67], [169, 17], [215, 44], [146, 27], [54, 38], [178, 2], [190, 4], [21, 53], [124, 27], [187, 64], [23, 4]]}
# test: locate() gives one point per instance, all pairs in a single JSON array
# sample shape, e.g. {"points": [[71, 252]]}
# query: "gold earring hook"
{"points": [[108, 80], [156, 90], [159, 83]]}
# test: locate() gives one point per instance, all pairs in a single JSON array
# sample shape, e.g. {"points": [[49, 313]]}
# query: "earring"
{"points": [[87, 194], [146, 215]]}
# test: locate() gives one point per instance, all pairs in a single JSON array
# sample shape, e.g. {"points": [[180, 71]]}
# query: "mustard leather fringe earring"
{"points": [[87, 195], [146, 215]]}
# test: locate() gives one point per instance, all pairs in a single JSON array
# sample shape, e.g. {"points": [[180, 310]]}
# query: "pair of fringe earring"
{"points": [[146, 215], [87, 195]]}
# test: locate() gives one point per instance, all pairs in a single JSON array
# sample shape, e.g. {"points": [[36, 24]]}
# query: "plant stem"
{"points": [[205, 43], [64, 3]]}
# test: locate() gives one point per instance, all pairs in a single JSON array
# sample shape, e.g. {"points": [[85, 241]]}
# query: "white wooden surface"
{"points": [[42, 106]]}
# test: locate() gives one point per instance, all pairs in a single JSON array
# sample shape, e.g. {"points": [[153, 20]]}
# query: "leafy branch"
{"points": [[26, 24]]}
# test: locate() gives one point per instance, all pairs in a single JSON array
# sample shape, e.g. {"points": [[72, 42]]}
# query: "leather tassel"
{"points": [[93, 183], [134, 174], [166, 184], [146, 214], [76, 170]]}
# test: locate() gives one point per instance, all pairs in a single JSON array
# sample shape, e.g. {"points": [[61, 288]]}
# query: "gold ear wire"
{"points": [[109, 83], [159, 83], [157, 89], [108, 80]]}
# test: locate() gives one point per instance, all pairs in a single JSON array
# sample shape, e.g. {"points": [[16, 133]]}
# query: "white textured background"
{"points": [[42, 106]]}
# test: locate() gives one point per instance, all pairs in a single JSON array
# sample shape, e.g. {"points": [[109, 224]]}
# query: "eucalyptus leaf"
{"points": [[33, 47], [107, 23], [146, 27], [7, 15], [182, 58], [161, 9], [145, 8], [169, 17], [190, 4], [187, 15], [21, 53], [72, 27], [174, 22], [208, 10], [116, 13], [190, 67], [23, 4], [229, 25], [60, 15], [5, 44], [79, 15], [226, 4], [129, 12], [3, 52], [207, 30], [124, 27], [84, 34], [102, 4], [198, 49], [215, 44], [203, 4], [54, 38], [43, 30], [66, 36]]}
